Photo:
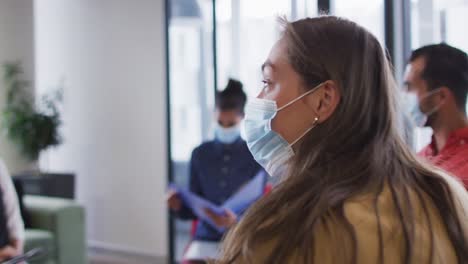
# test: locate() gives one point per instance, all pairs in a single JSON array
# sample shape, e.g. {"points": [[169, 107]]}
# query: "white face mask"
{"points": [[418, 117], [227, 135], [268, 148]]}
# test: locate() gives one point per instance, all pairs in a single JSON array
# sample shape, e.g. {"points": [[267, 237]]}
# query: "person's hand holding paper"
{"points": [[225, 220], [173, 200], [222, 216], [7, 253]]}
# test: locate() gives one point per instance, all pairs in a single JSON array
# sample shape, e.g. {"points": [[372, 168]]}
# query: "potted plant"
{"points": [[32, 127]]}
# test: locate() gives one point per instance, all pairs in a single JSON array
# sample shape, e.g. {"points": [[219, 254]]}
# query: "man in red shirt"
{"points": [[437, 77]]}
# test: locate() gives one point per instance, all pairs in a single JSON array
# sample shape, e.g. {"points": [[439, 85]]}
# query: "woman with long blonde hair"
{"points": [[327, 121]]}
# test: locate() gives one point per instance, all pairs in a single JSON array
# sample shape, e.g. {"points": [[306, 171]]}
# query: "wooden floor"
{"points": [[119, 260], [105, 258]]}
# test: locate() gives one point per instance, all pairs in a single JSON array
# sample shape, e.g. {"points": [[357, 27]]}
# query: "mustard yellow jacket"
{"points": [[361, 214]]}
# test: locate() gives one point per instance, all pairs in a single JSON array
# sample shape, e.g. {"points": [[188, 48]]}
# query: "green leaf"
{"points": [[30, 129]]}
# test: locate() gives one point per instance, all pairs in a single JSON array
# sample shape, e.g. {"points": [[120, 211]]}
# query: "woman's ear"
{"points": [[325, 100]]}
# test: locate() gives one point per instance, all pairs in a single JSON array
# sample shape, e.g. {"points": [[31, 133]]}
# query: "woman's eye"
{"points": [[266, 84]]}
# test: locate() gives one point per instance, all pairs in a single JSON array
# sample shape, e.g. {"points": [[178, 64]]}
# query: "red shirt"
{"points": [[454, 155]]}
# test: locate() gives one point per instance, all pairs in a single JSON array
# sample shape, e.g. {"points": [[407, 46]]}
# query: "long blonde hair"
{"points": [[359, 149]]}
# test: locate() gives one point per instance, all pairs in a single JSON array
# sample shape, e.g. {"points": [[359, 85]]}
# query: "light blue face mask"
{"points": [[227, 135], [268, 148], [418, 117]]}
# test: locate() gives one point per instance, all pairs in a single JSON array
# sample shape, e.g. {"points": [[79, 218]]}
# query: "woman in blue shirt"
{"points": [[218, 169]]}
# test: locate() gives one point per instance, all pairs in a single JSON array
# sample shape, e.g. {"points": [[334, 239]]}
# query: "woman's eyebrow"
{"points": [[268, 63]]}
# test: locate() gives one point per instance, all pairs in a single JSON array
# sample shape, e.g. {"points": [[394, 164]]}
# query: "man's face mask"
{"points": [[415, 112]]}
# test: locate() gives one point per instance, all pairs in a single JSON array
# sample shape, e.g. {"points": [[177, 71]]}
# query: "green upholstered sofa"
{"points": [[58, 225]]}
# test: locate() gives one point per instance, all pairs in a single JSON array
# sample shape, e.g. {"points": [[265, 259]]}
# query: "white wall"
{"points": [[110, 55], [16, 44], [456, 23]]}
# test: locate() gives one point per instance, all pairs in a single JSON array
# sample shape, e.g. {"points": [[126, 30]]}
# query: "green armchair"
{"points": [[59, 227]]}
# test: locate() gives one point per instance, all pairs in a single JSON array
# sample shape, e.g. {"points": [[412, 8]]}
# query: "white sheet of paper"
{"points": [[202, 250]]}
